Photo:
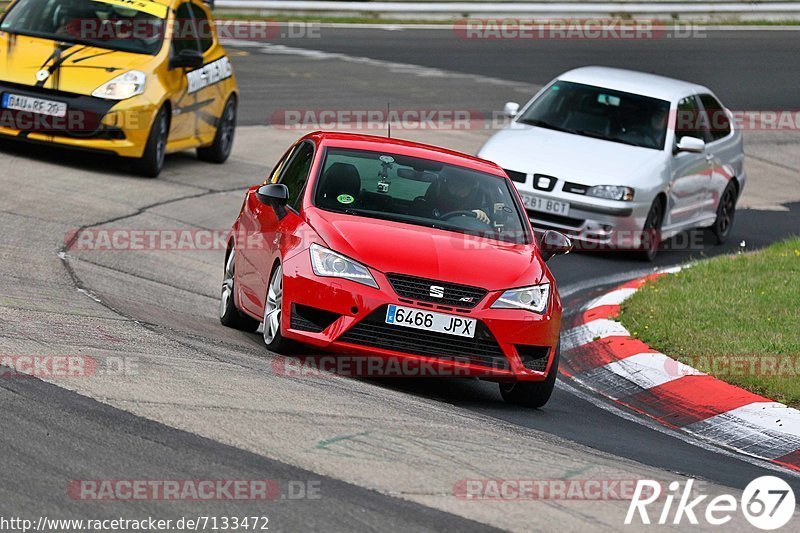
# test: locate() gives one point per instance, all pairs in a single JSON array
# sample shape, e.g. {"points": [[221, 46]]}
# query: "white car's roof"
{"points": [[630, 81]]}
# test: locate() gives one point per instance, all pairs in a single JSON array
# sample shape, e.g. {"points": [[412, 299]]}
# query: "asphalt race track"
{"points": [[205, 402]]}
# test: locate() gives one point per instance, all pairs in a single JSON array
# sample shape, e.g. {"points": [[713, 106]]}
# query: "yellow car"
{"points": [[135, 78]]}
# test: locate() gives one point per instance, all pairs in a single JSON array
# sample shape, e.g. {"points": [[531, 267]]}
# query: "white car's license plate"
{"points": [[545, 205], [430, 321], [34, 105]]}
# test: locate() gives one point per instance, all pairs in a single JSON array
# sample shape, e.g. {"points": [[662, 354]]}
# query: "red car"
{"points": [[394, 250]]}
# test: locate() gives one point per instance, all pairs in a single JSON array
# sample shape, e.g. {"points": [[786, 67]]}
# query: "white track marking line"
{"points": [[403, 68], [766, 429], [611, 298], [596, 329], [649, 370]]}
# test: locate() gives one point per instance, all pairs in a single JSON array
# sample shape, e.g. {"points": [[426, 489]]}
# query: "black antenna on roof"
{"points": [[388, 118]]}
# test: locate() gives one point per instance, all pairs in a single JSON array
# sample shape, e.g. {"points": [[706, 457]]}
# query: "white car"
{"points": [[623, 160]]}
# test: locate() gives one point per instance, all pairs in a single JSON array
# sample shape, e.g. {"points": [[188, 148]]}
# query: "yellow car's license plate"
{"points": [[34, 105]]}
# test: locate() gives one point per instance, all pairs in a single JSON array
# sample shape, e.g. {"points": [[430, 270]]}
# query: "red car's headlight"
{"points": [[329, 264], [533, 298]]}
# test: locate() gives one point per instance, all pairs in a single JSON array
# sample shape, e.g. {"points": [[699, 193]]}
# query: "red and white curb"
{"points": [[602, 355]]}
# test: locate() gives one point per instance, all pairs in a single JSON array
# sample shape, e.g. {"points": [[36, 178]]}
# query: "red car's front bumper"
{"points": [[337, 315]]}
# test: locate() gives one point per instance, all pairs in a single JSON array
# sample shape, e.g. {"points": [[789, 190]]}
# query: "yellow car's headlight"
{"points": [[122, 87]]}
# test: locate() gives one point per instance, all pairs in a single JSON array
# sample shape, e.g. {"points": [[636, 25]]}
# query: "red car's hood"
{"points": [[394, 247]]}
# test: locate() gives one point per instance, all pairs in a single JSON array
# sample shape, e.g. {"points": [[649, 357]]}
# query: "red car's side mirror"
{"points": [[275, 195]]}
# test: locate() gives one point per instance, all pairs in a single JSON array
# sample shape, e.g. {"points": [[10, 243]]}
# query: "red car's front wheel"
{"points": [[273, 312], [533, 394]]}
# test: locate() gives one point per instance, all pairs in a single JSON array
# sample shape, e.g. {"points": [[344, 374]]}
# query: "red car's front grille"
{"points": [[440, 292], [374, 332]]}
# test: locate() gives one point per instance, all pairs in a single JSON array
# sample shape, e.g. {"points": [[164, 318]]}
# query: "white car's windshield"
{"points": [[421, 192], [100, 23], [601, 113]]}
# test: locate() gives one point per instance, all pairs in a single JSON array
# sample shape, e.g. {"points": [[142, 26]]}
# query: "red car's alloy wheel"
{"points": [[229, 315], [273, 307]]}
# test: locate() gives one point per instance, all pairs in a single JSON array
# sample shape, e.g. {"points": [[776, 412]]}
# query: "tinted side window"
{"points": [[719, 124], [296, 173], [274, 177], [184, 31], [204, 27], [688, 122]]}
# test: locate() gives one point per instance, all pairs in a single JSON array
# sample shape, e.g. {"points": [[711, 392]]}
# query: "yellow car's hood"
{"points": [[84, 69]]}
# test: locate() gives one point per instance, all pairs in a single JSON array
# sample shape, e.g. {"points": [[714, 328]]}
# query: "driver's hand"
{"points": [[480, 215]]}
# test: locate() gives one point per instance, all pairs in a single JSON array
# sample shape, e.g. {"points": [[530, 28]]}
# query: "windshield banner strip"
{"points": [[145, 6]]}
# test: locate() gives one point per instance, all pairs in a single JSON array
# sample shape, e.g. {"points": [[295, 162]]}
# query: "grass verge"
{"points": [[734, 317]]}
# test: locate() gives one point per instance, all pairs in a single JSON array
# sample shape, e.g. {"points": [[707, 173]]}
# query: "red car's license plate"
{"points": [[431, 321]]}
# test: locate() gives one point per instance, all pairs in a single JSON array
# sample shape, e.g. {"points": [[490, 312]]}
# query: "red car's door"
{"points": [[248, 236], [266, 229]]}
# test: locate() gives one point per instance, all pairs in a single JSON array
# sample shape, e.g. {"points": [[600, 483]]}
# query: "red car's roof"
{"points": [[413, 149]]}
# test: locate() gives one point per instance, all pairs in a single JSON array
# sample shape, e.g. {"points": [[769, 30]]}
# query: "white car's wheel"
{"points": [[726, 211], [651, 233]]}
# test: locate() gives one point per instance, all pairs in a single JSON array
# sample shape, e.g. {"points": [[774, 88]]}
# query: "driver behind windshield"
{"points": [[458, 191]]}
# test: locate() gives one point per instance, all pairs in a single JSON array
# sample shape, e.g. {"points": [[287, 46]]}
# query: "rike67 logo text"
{"points": [[768, 503]]}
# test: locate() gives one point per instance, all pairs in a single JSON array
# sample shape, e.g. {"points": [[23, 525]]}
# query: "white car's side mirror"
{"points": [[691, 144], [511, 109]]}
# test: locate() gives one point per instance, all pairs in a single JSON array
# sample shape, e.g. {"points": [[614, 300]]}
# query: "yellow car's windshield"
{"points": [[136, 26]]}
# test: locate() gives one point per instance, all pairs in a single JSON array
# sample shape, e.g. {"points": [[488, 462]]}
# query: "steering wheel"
{"points": [[470, 219], [453, 214]]}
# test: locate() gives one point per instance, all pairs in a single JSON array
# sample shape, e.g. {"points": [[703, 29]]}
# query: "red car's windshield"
{"points": [[419, 191]]}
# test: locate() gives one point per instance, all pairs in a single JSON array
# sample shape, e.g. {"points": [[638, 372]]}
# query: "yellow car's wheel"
{"points": [[152, 161], [220, 150]]}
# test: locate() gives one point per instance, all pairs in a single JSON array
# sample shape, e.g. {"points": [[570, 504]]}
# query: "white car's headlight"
{"points": [[122, 87], [611, 192], [533, 298], [328, 264]]}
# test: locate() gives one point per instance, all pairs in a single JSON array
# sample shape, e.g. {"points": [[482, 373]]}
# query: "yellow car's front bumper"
{"points": [[117, 127]]}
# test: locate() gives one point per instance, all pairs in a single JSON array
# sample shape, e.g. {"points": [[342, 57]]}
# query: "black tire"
{"points": [[221, 149], [726, 212], [229, 314], [533, 394], [151, 163], [273, 311], [651, 233]]}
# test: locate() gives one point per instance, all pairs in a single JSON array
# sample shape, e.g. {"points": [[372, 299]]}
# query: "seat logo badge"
{"points": [[436, 291], [42, 75]]}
